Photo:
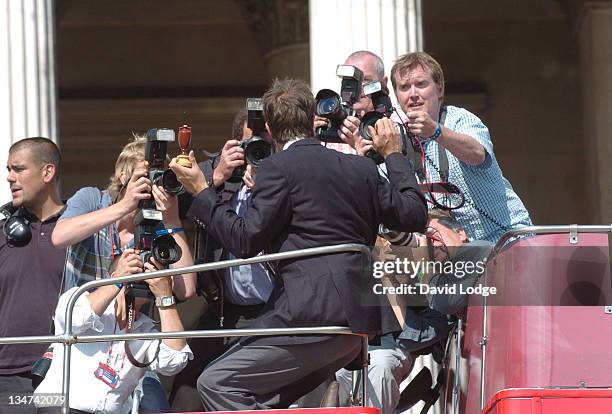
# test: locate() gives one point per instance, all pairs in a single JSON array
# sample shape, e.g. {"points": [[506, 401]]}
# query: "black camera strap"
{"points": [[130, 305], [442, 157]]}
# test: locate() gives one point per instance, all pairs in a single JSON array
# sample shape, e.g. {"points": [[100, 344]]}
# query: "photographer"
{"points": [[30, 266], [243, 289], [103, 375], [389, 364], [99, 225], [423, 326], [306, 196], [373, 69], [491, 206]]}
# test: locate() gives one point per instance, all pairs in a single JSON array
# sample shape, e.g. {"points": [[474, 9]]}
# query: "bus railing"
{"points": [[68, 339]]}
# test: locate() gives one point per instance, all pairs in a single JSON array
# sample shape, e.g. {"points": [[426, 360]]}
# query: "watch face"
{"points": [[165, 301]]}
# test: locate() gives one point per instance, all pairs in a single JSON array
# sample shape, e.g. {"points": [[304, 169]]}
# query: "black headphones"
{"points": [[16, 225]]}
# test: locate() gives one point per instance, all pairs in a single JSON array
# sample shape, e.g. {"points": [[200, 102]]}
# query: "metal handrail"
{"points": [[501, 244], [552, 229], [69, 339]]}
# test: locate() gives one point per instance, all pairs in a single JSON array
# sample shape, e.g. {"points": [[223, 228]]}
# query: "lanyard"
{"points": [[110, 351]]}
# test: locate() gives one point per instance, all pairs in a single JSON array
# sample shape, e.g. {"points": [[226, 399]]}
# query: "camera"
{"points": [[155, 154], [256, 148], [336, 107], [149, 236], [383, 108]]}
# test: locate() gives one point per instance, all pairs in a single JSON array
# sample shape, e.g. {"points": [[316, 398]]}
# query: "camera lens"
{"points": [[165, 250], [170, 183], [327, 106], [369, 119], [256, 151]]}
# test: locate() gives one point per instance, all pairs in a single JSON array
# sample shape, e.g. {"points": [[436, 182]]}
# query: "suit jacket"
{"points": [[312, 196], [211, 284]]}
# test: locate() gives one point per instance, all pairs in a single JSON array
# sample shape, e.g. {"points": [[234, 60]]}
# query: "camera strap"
{"points": [[442, 157], [130, 305]]}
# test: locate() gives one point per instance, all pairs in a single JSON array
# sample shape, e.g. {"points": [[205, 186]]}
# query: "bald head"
{"points": [[369, 63], [373, 70]]}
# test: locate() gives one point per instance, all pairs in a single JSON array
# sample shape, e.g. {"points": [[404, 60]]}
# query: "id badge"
{"points": [[107, 375]]}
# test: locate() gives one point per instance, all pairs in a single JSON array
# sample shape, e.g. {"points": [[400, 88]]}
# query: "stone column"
{"points": [[281, 29], [27, 76], [593, 27], [388, 28]]}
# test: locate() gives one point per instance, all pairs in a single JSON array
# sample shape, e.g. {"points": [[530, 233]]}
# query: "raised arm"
{"points": [[184, 284], [74, 229], [168, 315], [403, 205]]}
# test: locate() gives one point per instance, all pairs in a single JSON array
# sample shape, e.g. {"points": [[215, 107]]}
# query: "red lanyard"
{"points": [[110, 349], [112, 239]]}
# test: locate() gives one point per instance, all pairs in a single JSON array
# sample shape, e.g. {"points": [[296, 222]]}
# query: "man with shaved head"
{"points": [[30, 268]]}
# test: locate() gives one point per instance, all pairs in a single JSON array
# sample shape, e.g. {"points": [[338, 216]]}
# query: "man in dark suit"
{"points": [[306, 196], [234, 296]]}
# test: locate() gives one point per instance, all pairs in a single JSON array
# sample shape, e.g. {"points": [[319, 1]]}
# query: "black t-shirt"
{"points": [[30, 279]]}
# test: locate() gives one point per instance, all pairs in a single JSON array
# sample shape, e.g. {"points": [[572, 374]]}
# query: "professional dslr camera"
{"points": [[256, 149], [379, 94], [156, 156], [336, 107], [149, 236]]}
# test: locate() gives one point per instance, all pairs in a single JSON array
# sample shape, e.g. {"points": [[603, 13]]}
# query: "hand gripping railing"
{"points": [[68, 339]]}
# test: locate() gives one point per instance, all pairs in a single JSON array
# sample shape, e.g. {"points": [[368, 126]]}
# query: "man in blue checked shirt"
{"points": [[491, 206]]}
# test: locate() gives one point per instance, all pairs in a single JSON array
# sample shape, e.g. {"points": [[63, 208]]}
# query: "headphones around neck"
{"points": [[16, 225]]}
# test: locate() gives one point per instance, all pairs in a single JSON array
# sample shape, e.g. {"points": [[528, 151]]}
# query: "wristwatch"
{"points": [[163, 302]]}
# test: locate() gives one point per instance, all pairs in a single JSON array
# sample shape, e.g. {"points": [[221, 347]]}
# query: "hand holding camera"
{"points": [[128, 263], [249, 176], [336, 108], [349, 131], [137, 188], [168, 205], [386, 137], [421, 124], [160, 286], [232, 157]]}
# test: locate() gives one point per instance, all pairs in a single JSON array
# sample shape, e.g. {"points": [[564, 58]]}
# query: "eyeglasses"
{"points": [[433, 235]]}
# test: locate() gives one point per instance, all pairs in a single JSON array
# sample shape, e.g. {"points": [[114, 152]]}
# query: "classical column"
{"points": [[388, 28], [593, 28], [27, 76], [281, 30]]}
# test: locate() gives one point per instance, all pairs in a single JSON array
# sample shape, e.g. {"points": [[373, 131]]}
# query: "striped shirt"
{"points": [[90, 258]]}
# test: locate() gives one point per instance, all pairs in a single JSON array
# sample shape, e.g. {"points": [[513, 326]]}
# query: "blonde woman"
{"points": [[99, 225]]}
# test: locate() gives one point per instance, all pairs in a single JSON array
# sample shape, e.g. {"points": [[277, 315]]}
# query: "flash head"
{"points": [[372, 87], [161, 134], [349, 71], [255, 118]]}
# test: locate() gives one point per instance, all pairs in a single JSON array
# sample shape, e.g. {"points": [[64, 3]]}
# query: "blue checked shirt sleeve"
{"points": [[465, 122]]}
